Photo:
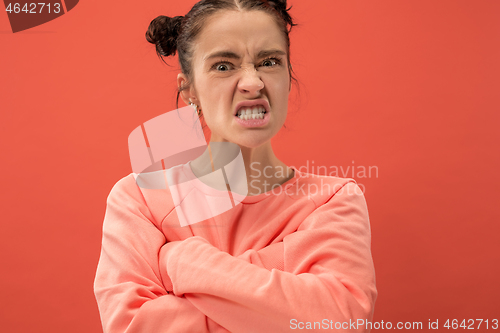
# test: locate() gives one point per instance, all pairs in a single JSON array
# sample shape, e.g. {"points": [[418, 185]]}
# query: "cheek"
{"points": [[281, 85], [214, 117], [281, 92]]}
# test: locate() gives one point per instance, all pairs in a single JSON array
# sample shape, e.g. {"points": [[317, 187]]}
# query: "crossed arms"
{"points": [[324, 270]]}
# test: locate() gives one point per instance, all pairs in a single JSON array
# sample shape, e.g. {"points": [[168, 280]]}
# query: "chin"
{"points": [[253, 141]]}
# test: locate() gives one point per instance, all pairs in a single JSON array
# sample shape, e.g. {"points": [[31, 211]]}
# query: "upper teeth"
{"points": [[251, 110]]}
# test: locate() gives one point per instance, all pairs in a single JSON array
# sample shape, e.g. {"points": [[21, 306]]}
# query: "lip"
{"points": [[253, 102]]}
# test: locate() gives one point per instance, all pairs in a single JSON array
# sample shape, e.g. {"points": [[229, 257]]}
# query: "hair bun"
{"points": [[163, 32]]}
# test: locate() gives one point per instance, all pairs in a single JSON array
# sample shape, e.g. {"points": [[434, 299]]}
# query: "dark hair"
{"points": [[179, 33]]}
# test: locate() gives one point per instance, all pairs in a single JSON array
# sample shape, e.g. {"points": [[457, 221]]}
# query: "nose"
{"points": [[250, 81]]}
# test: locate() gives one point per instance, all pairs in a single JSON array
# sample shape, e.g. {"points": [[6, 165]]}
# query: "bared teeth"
{"points": [[251, 112], [255, 112]]}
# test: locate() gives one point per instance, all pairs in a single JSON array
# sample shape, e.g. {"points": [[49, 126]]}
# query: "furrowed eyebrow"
{"points": [[232, 55], [265, 53], [222, 54]]}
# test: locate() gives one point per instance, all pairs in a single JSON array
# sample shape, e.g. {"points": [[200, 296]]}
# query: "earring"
{"points": [[195, 107]]}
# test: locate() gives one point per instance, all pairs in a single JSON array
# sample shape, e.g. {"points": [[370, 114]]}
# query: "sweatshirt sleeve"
{"points": [[328, 275], [128, 288], [269, 257]]}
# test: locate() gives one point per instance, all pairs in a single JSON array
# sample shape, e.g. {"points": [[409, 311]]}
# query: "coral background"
{"points": [[409, 87]]}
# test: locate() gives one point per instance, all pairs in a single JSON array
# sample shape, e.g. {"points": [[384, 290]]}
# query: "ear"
{"points": [[188, 93]]}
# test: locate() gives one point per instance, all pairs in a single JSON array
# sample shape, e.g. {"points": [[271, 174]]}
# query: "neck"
{"points": [[263, 169]]}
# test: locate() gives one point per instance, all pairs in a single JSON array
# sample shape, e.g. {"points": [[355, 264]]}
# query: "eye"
{"points": [[277, 61], [221, 64]]}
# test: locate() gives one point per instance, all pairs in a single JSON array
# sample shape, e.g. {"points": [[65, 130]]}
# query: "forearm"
{"points": [[327, 273], [168, 313], [270, 257], [248, 298]]}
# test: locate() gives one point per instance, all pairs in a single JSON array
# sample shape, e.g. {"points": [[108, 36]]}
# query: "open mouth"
{"points": [[249, 113]]}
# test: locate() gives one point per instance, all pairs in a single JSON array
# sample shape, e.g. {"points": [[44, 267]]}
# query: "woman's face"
{"points": [[244, 73]]}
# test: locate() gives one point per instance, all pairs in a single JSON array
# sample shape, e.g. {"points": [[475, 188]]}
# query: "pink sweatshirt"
{"points": [[285, 260]]}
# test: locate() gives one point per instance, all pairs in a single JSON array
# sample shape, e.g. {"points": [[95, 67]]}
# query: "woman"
{"points": [[286, 257]]}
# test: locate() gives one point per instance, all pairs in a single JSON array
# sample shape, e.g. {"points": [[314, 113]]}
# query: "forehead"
{"points": [[239, 32]]}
